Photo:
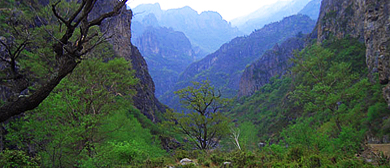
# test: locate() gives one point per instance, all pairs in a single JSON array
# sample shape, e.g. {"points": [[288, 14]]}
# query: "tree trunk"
{"points": [[23, 104]]}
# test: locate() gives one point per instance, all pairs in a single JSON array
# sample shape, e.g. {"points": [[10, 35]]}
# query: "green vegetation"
{"points": [[322, 111], [86, 121], [204, 125], [320, 114]]}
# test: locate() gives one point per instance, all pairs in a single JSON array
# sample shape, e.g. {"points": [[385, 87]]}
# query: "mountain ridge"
{"points": [[268, 14], [206, 30], [225, 66]]}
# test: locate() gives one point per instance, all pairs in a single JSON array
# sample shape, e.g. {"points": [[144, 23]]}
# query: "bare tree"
{"points": [[68, 50], [235, 134]]}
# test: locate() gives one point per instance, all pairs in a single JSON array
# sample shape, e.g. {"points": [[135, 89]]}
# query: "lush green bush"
{"points": [[17, 158]]}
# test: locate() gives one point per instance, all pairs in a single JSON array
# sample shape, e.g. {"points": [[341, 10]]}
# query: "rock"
{"points": [[119, 30], [186, 161], [273, 62], [167, 53], [261, 145], [227, 164]]}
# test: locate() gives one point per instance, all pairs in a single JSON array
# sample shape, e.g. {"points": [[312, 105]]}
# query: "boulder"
{"points": [[186, 161]]}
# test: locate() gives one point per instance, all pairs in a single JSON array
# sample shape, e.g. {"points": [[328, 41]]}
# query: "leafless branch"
{"points": [[53, 8]]}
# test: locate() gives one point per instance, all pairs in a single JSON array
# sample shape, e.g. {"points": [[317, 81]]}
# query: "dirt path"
{"points": [[377, 148]]}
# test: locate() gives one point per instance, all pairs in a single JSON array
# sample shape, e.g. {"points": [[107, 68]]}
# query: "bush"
{"points": [[350, 163], [16, 158], [295, 154], [155, 162], [217, 159], [241, 158], [181, 154], [314, 161]]}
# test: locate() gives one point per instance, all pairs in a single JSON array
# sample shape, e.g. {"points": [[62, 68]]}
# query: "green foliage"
{"points": [[86, 121], [320, 113], [16, 158], [240, 158], [205, 125], [249, 139]]}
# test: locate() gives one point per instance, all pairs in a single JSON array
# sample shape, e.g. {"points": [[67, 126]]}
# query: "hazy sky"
{"points": [[229, 9]]}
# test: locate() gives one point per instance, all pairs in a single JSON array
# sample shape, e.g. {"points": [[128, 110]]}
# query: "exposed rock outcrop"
{"points": [[119, 29], [368, 20], [167, 53], [340, 18], [377, 38], [273, 62]]}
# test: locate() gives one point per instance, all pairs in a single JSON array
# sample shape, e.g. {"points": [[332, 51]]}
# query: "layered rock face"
{"points": [[340, 18], [273, 62], [377, 38], [368, 20], [167, 53], [118, 29]]}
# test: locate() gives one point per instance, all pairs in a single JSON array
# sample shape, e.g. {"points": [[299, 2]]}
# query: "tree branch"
{"points": [[66, 60], [53, 8], [115, 12]]}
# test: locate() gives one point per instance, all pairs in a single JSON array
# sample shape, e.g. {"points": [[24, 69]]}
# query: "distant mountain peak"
{"points": [[207, 30], [269, 13]]}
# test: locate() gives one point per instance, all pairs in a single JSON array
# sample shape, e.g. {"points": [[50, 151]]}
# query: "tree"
{"points": [[204, 125], [85, 118], [71, 36]]}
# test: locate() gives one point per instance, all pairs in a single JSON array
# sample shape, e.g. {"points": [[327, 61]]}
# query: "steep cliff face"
{"points": [[167, 53], [273, 62], [377, 38], [118, 29], [368, 20], [341, 18]]}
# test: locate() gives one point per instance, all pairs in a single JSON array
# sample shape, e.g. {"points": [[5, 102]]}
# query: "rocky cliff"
{"points": [[118, 29], [340, 18], [273, 62], [167, 53], [368, 20]]}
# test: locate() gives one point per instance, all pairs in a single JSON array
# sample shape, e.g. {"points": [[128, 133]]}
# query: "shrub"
{"points": [[181, 154], [313, 161], [241, 158], [349, 163], [154, 162], [16, 158], [295, 154], [216, 158]]}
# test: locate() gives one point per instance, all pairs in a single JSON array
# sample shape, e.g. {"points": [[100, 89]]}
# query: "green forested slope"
{"points": [[326, 108]]}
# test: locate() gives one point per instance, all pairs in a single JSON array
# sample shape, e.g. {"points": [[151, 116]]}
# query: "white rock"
{"points": [[186, 161]]}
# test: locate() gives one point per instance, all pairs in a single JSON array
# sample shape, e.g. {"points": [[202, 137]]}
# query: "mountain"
{"points": [[225, 66], [206, 30], [274, 62], [312, 9], [268, 14], [167, 53], [118, 29]]}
